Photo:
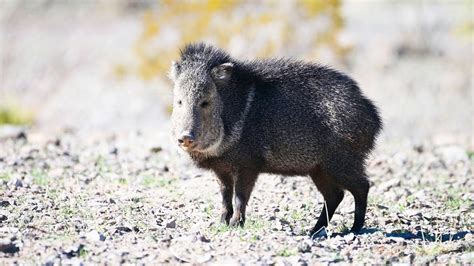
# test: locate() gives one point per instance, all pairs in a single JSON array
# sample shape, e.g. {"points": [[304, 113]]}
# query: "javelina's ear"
{"points": [[174, 71], [222, 72]]}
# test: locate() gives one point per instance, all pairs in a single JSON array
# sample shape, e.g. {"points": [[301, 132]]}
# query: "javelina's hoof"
{"points": [[320, 233], [236, 221], [225, 217]]}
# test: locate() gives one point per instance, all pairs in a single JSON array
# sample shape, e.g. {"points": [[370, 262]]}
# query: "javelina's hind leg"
{"points": [[332, 194], [226, 184], [359, 189], [349, 174], [243, 188]]}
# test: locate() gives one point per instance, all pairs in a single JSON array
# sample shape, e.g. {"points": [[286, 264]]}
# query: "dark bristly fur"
{"points": [[278, 116]]}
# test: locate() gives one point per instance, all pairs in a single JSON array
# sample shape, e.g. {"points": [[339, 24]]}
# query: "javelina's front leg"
{"points": [[243, 188], [226, 183]]}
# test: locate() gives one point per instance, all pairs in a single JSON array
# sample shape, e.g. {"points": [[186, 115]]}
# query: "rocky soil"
{"points": [[124, 198]]}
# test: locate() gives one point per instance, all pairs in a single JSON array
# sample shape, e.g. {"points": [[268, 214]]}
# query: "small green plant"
{"points": [[5, 177], [39, 178], [122, 181], [343, 228], [68, 211], [164, 182], [470, 154], [287, 252], [454, 203], [148, 181], [13, 115], [297, 215], [208, 209], [454, 200], [402, 207], [432, 249], [83, 252], [152, 181], [251, 225], [101, 164]]}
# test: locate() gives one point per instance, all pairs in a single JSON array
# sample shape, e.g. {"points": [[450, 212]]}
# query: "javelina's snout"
{"points": [[186, 139]]}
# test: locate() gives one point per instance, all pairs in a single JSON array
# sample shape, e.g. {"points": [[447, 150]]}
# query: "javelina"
{"points": [[281, 116]]}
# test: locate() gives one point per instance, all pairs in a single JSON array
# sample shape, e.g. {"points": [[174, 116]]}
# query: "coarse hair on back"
{"points": [[204, 53]]}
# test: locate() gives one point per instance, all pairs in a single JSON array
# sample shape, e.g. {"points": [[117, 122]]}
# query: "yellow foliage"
{"points": [[220, 21], [12, 114]]}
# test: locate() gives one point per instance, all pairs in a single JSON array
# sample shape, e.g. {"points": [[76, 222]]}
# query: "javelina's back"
{"points": [[306, 114]]}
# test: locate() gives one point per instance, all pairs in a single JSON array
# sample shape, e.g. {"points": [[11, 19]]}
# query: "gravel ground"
{"points": [[125, 198]]}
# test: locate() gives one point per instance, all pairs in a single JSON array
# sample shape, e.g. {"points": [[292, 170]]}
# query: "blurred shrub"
{"points": [[11, 114], [252, 28]]}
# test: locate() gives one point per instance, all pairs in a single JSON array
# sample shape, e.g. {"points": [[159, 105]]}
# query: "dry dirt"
{"points": [[124, 198]]}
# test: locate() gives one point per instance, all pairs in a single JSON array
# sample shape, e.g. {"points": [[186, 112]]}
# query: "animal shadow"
{"points": [[407, 235]]}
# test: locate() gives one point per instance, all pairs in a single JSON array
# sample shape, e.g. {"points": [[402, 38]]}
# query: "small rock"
{"points": [[4, 203], [3, 217], [95, 236], [349, 237], [15, 182], [73, 250], [123, 229], [171, 223], [452, 154], [419, 148], [22, 135], [412, 212], [52, 260], [114, 151], [57, 142], [305, 246], [156, 149], [400, 158], [8, 246], [469, 237], [8, 131], [204, 239]]}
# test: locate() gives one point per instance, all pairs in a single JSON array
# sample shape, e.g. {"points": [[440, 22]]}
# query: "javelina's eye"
{"points": [[204, 104], [179, 102]]}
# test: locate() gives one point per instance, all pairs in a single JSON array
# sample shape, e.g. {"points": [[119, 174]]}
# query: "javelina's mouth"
{"points": [[189, 148]]}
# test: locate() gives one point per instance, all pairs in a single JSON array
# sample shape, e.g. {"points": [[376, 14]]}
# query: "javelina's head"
{"points": [[197, 125]]}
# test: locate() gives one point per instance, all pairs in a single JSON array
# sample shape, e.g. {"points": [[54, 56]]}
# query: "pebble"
{"points": [[95, 236], [122, 229], [305, 246], [349, 237], [7, 245], [171, 223], [73, 250], [4, 203], [15, 183], [420, 189], [452, 154]]}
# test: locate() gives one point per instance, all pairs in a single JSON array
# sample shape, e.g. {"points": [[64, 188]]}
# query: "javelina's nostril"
{"points": [[186, 140]]}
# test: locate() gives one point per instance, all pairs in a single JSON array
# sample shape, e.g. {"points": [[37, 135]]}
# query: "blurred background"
{"points": [[101, 66]]}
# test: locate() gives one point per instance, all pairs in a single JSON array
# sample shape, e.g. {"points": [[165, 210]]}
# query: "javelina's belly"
{"points": [[295, 160]]}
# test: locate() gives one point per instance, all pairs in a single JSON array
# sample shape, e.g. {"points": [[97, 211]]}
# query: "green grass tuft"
{"points": [[287, 252], [39, 178], [14, 116], [5, 177], [470, 154], [251, 225]]}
